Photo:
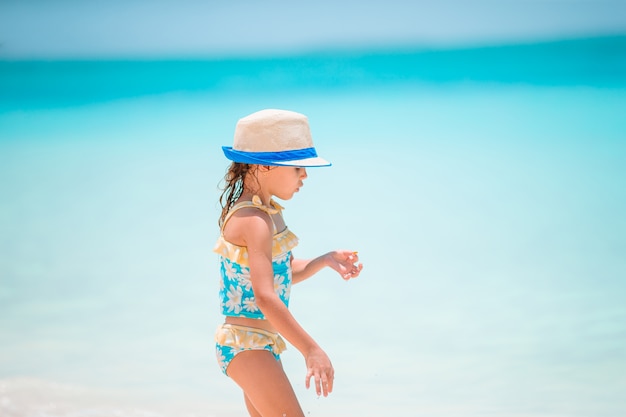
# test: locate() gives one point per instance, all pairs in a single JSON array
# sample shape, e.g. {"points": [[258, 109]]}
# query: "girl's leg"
{"points": [[251, 410], [267, 390]]}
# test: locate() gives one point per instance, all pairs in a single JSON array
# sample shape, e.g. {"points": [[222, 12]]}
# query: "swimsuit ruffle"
{"points": [[244, 338], [282, 243]]}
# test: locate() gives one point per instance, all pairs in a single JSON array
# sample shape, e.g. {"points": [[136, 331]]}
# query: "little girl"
{"points": [[270, 154]]}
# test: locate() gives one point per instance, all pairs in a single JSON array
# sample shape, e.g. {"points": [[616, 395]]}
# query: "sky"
{"points": [[52, 29]]}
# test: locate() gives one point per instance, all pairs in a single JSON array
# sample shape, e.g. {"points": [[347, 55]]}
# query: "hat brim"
{"points": [[249, 158]]}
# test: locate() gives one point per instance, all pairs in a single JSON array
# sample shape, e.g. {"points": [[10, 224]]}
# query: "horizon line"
{"points": [[320, 51]]}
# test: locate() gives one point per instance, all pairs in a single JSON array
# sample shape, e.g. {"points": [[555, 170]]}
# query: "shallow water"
{"points": [[489, 217]]}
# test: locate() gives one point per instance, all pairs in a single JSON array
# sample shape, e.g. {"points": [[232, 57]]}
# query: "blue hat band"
{"points": [[268, 157]]}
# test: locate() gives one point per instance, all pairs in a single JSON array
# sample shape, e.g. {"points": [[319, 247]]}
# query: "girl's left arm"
{"points": [[345, 262]]}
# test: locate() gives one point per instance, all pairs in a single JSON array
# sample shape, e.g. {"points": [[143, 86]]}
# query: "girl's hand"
{"points": [[345, 263], [319, 367]]}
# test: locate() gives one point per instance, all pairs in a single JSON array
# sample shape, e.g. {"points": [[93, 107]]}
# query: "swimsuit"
{"points": [[231, 339], [236, 295]]}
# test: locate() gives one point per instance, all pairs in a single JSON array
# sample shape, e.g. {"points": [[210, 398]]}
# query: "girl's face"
{"points": [[285, 181]]}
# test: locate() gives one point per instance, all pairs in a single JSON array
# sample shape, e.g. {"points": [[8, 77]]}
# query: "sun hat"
{"points": [[274, 137]]}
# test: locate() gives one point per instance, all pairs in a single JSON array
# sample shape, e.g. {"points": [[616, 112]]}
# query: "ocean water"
{"points": [[483, 188]]}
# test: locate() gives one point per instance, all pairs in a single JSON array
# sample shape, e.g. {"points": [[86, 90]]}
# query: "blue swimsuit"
{"points": [[236, 295]]}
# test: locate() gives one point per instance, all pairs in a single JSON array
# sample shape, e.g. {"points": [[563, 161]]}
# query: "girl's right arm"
{"points": [[258, 239]]}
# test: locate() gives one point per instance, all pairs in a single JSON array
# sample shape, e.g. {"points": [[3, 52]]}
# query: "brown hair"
{"points": [[233, 187]]}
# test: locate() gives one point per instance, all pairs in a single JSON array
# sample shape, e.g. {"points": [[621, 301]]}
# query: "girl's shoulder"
{"points": [[252, 223]]}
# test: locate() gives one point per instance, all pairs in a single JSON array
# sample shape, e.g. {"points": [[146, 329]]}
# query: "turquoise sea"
{"points": [[484, 188]]}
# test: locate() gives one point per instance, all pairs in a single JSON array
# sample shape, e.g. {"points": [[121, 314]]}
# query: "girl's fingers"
{"points": [[353, 272], [318, 384], [323, 383]]}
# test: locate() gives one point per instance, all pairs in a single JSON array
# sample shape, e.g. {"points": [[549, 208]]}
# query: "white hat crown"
{"points": [[274, 137], [272, 130]]}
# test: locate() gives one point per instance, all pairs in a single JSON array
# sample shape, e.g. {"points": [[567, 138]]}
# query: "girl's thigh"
{"points": [[264, 382]]}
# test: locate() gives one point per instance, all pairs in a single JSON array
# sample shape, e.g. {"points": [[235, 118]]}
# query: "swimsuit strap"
{"points": [[256, 203]]}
